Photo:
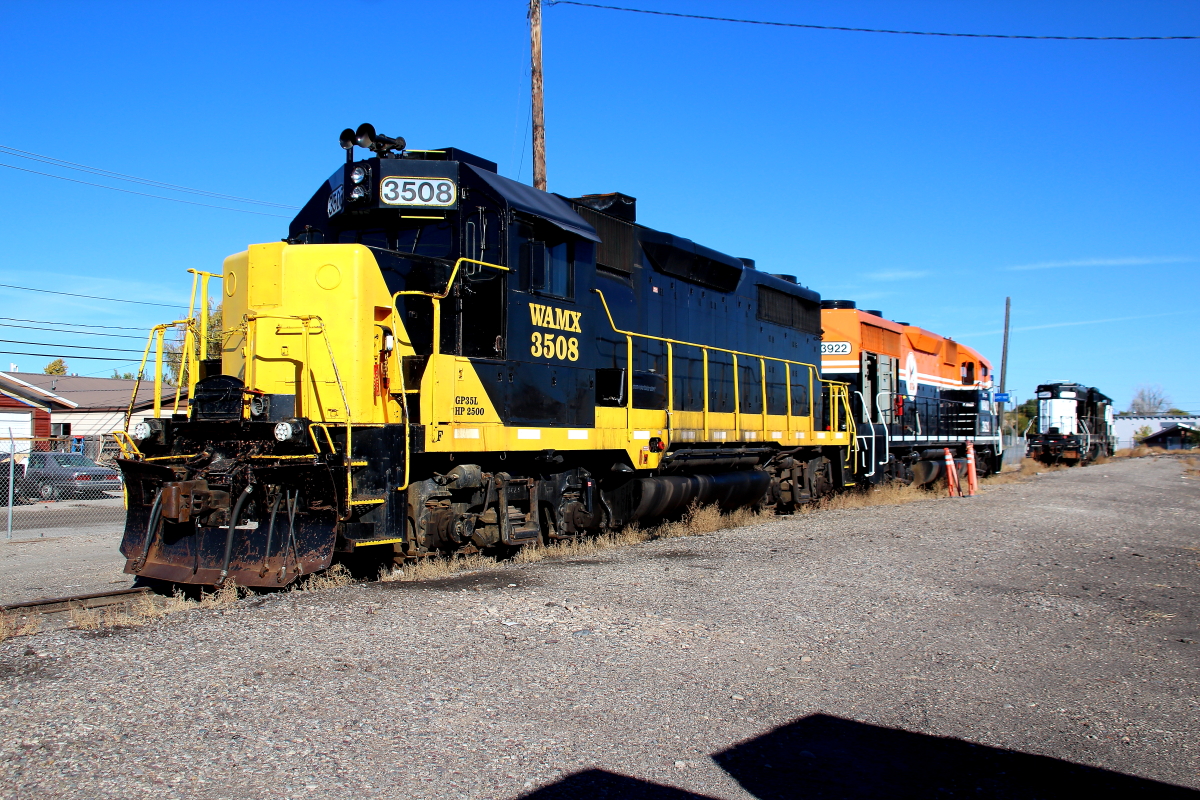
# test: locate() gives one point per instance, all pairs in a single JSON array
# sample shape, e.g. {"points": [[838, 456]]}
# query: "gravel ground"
{"points": [[1038, 641], [55, 562]]}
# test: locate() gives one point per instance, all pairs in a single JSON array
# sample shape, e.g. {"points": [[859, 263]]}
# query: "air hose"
{"points": [[270, 536], [233, 521], [155, 516]]}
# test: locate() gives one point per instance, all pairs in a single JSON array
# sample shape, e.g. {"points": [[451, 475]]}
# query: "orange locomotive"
{"points": [[914, 394]]}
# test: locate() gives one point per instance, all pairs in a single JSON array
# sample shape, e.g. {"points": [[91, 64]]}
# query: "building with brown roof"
{"points": [[89, 406]]}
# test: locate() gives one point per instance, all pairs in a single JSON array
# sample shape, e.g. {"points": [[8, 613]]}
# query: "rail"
{"points": [[52, 605]]}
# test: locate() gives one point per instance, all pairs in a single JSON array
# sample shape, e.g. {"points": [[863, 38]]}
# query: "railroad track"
{"points": [[53, 605]]}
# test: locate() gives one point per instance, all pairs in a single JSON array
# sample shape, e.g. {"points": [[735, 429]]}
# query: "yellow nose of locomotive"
{"points": [[315, 323]]}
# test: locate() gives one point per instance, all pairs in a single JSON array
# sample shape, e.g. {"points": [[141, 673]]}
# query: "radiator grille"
{"points": [[880, 340], [617, 240], [788, 309]]}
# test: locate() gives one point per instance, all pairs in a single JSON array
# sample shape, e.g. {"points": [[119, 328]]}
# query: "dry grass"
{"points": [[335, 577], [888, 494], [225, 596], [435, 567], [11, 626], [1029, 467], [1139, 451], [86, 619], [697, 520], [141, 610], [1191, 466]]}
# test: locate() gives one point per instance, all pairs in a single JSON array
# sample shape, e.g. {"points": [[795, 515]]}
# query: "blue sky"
{"points": [[924, 176]]}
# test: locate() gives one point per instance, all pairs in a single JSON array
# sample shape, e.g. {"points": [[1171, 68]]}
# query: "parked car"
{"points": [[19, 490], [54, 475]]}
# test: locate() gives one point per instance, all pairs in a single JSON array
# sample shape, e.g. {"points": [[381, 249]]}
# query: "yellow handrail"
{"points": [[449, 282], [188, 361], [604, 301], [126, 443], [841, 386], [305, 320], [436, 298]]}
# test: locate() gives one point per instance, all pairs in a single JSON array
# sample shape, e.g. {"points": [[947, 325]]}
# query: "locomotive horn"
{"points": [[366, 137], [347, 139]]}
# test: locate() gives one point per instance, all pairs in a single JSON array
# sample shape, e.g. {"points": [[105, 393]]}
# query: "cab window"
{"points": [[551, 269]]}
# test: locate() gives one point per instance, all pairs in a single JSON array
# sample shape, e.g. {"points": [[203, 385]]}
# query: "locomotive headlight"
{"points": [[284, 431], [358, 193], [141, 431], [358, 175]]}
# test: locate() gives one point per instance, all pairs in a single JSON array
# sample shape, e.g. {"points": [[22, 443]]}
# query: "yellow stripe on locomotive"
{"points": [[318, 323]]}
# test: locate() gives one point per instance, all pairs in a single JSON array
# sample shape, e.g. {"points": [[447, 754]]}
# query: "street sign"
{"points": [[1000, 397]]}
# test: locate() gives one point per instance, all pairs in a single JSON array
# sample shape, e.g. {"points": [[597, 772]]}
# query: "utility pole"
{"points": [[539, 118], [1004, 365]]}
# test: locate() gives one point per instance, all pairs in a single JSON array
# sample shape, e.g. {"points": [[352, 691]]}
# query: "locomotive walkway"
{"points": [[1038, 641]]}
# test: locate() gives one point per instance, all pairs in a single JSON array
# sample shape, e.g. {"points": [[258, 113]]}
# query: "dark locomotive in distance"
{"points": [[1074, 425], [438, 358]]}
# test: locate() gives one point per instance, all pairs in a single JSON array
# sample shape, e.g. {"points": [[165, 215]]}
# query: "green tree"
{"points": [[1178, 412], [1026, 412], [56, 367], [173, 350], [123, 376], [1142, 433]]}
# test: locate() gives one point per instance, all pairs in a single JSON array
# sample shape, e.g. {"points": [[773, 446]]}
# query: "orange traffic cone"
{"points": [[972, 476], [952, 485]]}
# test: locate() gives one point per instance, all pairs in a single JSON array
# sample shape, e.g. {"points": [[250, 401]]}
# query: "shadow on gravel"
{"points": [[598, 784], [821, 756]]}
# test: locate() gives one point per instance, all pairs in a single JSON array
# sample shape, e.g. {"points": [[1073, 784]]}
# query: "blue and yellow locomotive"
{"points": [[438, 358]]}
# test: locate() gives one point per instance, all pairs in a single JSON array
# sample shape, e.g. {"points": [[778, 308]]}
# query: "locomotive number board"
{"points": [[420, 192]]}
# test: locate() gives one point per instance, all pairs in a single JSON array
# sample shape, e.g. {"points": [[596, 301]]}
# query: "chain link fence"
{"points": [[1014, 450], [60, 484]]}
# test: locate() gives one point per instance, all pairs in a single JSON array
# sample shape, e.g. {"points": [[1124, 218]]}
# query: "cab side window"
{"points": [[559, 280], [550, 266], [551, 269]]}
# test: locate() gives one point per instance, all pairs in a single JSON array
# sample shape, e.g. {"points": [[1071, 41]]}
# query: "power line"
{"points": [[79, 333], [145, 194], [77, 324], [71, 357], [72, 346], [862, 30], [58, 162], [89, 296]]}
